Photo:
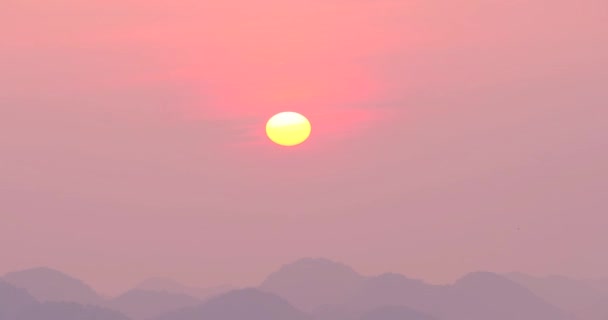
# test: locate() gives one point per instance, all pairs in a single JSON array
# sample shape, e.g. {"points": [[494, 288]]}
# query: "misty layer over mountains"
{"points": [[309, 289]]}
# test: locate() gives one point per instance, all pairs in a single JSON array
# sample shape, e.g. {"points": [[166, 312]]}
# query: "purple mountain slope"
{"points": [[334, 291], [311, 283], [68, 311], [484, 295], [142, 304], [392, 289], [579, 297], [326, 290], [13, 301], [50, 285], [249, 304], [395, 313]]}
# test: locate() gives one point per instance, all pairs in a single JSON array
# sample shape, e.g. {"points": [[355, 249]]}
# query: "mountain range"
{"points": [[308, 289], [586, 299], [172, 286]]}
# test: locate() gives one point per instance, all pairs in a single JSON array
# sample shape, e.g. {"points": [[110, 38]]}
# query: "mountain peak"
{"points": [[248, 303], [38, 271], [396, 277], [310, 283], [47, 284], [486, 294]]}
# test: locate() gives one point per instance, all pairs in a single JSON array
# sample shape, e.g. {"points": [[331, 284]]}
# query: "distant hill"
{"points": [[485, 295], [17, 304], [393, 289], [386, 312], [395, 313], [579, 297], [250, 304], [335, 312], [141, 304], [51, 285], [311, 289], [172, 286], [477, 296], [334, 291], [13, 301], [68, 311], [311, 283]]}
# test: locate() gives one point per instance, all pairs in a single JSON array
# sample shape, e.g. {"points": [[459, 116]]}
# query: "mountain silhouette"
{"points": [[311, 283], [386, 312], [68, 311], [477, 296], [142, 304], [335, 312], [17, 304], [249, 304], [579, 297], [51, 285], [485, 295], [326, 290], [391, 289], [13, 301], [395, 313], [172, 286]]}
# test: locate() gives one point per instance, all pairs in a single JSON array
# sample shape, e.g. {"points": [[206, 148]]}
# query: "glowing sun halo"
{"points": [[288, 129]]}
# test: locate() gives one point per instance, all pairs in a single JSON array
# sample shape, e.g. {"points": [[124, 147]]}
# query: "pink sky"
{"points": [[448, 137]]}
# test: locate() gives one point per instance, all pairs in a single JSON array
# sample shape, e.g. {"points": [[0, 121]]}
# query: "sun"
{"points": [[288, 129]]}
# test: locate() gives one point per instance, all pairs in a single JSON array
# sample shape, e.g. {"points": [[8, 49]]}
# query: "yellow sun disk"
{"points": [[288, 129]]}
